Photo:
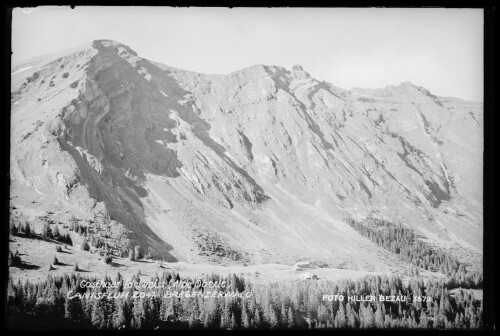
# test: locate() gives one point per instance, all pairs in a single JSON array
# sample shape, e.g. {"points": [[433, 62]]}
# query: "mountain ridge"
{"points": [[89, 45], [176, 158]]}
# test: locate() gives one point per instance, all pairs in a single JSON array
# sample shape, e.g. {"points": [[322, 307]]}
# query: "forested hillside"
{"points": [[67, 302]]}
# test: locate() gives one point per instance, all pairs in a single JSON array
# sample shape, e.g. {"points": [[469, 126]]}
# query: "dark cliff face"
{"points": [[124, 116], [117, 119]]}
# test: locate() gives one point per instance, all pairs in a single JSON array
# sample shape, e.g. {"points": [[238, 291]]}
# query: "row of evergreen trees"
{"points": [[24, 229], [271, 306], [402, 241], [91, 234]]}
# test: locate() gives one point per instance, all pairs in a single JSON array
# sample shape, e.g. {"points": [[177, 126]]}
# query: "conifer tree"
{"points": [[232, 323], [131, 255], [73, 309], [137, 253], [245, 319], [56, 233], [273, 319], [352, 321], [379, 317], [257, 319], [290, 319], [225, 317], [46, 232], [322, 315], [27, 229], [13, 228], [192, 321], [340, 318]]}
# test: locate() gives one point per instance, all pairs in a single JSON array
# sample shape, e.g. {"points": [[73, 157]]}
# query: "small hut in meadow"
{"points": [[301, 265], [308, 276]]}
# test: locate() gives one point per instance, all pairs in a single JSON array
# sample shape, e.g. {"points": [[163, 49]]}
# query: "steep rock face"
{"points": [[259, 165], [297, 124]]}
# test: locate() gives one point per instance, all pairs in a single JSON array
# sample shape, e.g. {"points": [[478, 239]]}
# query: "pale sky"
{"points": [[439, 49]]}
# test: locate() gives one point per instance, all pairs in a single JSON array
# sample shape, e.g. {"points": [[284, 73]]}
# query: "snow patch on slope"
{"points": [[144, 72], [21, 70]]}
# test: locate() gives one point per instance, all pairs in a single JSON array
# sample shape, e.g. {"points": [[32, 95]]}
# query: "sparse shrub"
{"points": [[76, 268], [74, 85], [65, 75], [108, 259], [55, 262], [58, 248], [14, 259], [85, 246]]}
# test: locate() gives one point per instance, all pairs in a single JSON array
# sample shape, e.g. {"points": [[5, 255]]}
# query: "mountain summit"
{"points": [[260, 165]]}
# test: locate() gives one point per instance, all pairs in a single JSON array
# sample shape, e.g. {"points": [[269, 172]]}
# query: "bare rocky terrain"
{"points": [[255, 167]]}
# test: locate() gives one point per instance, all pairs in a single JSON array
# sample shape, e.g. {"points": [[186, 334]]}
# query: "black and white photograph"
{"points": [[246, 168]]}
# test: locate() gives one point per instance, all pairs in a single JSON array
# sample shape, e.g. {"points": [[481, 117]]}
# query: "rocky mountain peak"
{"points": [[254, 71], [408, 88], [408, 84], [110, 45], [298, 72]]}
